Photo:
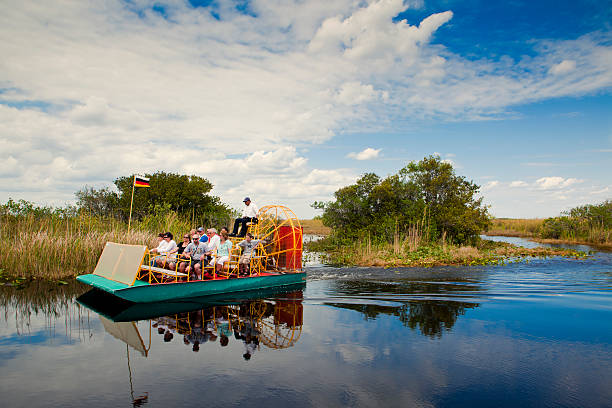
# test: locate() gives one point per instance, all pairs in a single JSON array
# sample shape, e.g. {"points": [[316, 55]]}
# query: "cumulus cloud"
{"points": [[490, 185], [518, 183], [366, 154], [563, 67], [600, 191], [94, 90], [552, 183]]}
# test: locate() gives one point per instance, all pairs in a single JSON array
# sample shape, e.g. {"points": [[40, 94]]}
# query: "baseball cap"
{"points": [[246, 199]]}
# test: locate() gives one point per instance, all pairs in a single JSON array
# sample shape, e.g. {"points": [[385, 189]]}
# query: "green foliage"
{"points": [[22, 208], [187, 196], [426, 194], [103, 202], [590, 223]]}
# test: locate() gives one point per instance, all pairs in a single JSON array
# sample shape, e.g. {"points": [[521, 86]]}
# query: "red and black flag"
{"points": [[140, 181]]}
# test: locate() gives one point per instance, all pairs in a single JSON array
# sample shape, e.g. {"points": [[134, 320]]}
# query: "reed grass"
{"points": [[511, 227], [554, 230], [51, 247], [412, 250], [315, 227]]}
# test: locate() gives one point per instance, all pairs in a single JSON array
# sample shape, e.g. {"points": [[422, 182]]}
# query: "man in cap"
{"points": [[202, 234], [249, 214]]}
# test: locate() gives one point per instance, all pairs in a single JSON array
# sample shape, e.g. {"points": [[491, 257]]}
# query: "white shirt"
{"points": [[250, 211], [162, 247], [170, 247], [213, 242]]}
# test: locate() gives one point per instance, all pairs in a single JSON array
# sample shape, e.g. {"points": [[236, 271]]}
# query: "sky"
{"points": [[286, 101]]}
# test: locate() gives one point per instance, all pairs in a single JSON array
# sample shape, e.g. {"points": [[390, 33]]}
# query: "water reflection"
{"points": [[274, 323], [527, 334], [64, 320], [422, 305]]}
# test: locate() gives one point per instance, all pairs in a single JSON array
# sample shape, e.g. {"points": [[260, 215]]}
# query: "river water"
{"points": [[535, 333]]}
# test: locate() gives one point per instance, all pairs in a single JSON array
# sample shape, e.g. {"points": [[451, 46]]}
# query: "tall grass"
{"points": [[590, 224], [50, 246], [367, 253], [515, 227], [53, 247], [315, 227]]}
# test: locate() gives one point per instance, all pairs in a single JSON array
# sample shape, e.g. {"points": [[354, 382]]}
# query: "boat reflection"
{"points": [[273, 323], [270, 318]]}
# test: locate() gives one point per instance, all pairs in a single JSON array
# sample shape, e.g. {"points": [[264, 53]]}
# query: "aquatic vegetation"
{"points": [[364, 253], [589, 224]]}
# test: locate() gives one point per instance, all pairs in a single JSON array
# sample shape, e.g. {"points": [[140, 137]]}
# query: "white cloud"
{"points": [[490, 185], [552, 183], [563, 67], [366, 154], [600, 191], [117, 88], [354, 93], [518, 183]]}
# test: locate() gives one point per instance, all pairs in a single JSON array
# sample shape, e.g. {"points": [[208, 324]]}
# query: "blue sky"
{"points": [[286, 101]]}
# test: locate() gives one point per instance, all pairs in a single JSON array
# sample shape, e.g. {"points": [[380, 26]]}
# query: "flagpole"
{"points": [[131, 203]]}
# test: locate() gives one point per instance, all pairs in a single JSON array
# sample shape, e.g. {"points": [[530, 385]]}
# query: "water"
{"points": [[526, 334]]}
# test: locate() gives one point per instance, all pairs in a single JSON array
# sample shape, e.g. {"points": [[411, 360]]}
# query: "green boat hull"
{"points": [[142, 292], [119, 310]]}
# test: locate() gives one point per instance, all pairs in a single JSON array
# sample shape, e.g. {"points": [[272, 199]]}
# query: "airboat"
{"points": [[127, 271]]}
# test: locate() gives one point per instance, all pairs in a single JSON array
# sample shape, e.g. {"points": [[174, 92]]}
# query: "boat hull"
{"points": [[142, 292], [119, 310]]}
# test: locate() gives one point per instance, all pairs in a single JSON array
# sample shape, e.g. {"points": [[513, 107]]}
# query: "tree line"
{"points": [[188, 196], [426, 196], [591, 223]]}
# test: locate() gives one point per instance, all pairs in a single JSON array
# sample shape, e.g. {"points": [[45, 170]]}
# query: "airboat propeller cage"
{"points": [[281, 235]]}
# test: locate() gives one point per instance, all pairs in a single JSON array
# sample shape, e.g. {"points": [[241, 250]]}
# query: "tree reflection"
{"points": [[420, 305]]}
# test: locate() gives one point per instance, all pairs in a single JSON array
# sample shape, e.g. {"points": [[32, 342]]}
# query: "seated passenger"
{"points": [[249, 214], [183, 244], [247, 246], [161, 247], [197, 252], [168, 256], [213, 241], [202, 234], [223, 252]]}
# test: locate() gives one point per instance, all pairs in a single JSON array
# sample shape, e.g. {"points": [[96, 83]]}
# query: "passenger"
{"points": [[213, 242], [168, 336], [249, 214], [197, 252], [162, 247], [184, 243], [202, 234], [247, 246], [223, 252], [169, 258]]}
